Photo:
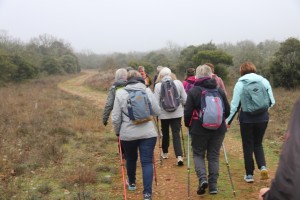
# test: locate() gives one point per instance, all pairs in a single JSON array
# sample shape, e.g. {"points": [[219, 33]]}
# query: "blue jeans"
{"points": [[146, 148]]}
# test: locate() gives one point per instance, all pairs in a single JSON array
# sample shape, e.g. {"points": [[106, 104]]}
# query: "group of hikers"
{"points": [[137, 104]]}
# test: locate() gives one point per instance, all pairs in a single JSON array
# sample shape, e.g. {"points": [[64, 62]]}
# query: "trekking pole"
{"points": [[229, 174], [188, 169], [159, 142], [154, 169], [122, 167], [183, 146]]}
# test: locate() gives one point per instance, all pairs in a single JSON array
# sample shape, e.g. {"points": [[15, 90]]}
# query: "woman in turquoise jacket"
{"points": [[252, 124]]}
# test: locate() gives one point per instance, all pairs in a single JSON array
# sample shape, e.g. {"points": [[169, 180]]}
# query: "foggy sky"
{"points": [[106, 26]]}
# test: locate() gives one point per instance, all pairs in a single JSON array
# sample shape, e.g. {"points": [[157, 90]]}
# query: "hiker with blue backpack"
{"points": [[190, 79], [253, 93], [133, 110], [171, 95], [204, 114]]}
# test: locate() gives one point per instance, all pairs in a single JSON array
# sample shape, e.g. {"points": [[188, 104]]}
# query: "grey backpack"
{"points": [[139, 106], [169, 97]]}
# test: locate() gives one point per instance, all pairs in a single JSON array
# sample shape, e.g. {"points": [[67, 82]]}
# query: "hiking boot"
{"points": [[202, 186], [249, 178], [147, 196], [164, 155], [179, 160], [264, 173], [213, 189]]}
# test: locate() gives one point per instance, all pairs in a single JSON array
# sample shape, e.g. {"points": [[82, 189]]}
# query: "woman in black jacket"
{"points": [[205, 142]]}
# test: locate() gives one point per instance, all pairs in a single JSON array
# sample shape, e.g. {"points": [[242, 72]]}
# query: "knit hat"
{"points": [[190, 72]]}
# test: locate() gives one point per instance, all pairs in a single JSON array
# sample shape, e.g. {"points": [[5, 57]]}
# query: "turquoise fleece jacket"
{"points": [[237, 91]]}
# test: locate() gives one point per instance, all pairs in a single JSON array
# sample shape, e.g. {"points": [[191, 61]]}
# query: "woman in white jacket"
{"points": [[171, 119], [136, 137]]}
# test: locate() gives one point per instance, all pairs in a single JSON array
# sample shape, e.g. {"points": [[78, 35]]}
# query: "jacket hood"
{"points": [[165, 78], [135, 80], [191, 78], [206, 82], [136, 84], [251, 76]]}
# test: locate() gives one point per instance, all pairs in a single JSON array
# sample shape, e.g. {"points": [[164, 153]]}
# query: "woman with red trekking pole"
{"points": [[134, 107]]}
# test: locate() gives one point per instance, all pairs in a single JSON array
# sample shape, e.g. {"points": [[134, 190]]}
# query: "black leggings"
{"points": [[175, 124], [252, 137]]}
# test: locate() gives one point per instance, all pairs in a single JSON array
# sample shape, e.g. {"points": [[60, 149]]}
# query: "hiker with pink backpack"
{"points": [[204, 114]]}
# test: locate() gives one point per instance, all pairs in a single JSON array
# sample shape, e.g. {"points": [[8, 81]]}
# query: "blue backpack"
{"points": [[211, 110], [139, 106], [255, 98]]}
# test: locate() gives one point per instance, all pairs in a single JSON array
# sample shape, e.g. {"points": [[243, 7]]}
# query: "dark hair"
{"points": [[190, 72]]}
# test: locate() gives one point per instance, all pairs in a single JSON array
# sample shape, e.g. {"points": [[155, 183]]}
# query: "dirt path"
{"points": [[171, 179]]}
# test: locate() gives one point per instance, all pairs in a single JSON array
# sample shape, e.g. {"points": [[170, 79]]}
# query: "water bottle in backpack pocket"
{"points": [[139, 106], [211, 109], [254, 98]]}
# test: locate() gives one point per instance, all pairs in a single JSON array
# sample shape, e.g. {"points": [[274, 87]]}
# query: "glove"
{"points": [[105, 123]]}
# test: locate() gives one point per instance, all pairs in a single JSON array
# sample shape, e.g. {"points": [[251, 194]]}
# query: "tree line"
{"points": [[46, 55], [41, 56]]}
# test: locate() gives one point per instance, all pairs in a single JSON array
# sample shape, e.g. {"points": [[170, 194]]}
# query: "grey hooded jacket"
{"points": [[123, 125], [111, 98]]}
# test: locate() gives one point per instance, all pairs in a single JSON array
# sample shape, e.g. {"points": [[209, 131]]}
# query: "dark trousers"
{"points": [[252, 137], [175, 124], [207, 145]]}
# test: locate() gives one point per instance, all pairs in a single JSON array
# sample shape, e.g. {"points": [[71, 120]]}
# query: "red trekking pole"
{"points": [[122, 167]]}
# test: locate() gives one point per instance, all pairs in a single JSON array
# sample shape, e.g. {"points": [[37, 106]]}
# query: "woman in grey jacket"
{"points": [[136, 137], [172, 119]]}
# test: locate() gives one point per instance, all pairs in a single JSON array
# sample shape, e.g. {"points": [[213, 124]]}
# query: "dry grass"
{"points": [[49, 140], [101, 81]]}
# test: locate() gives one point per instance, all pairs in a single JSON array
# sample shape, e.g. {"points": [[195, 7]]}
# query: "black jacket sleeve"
{"points": [[188, 109]]}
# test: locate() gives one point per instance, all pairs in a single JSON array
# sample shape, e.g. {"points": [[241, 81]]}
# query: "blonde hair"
{"points": [[203, 71], [163, 72], [121, 74], [133, 73], [247, 68]]}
